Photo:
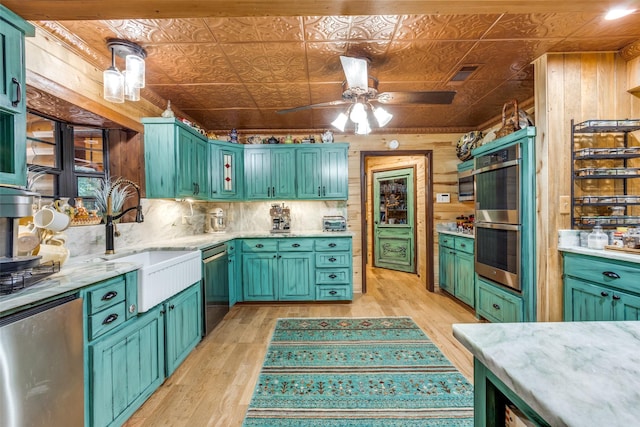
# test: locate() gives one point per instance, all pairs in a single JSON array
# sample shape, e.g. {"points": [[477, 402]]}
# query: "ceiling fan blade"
{"points": [[429, 97], [307, 107], [355, 70]]}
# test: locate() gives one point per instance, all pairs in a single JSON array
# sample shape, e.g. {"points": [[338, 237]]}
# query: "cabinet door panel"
{"points": [[335, 180], [585, 301], [11, 67], [184, 325], [627, 307], [296, 276], [447, 269], [308, 173], [465, 278], [283, 174], [258, 271], [257, 172]]}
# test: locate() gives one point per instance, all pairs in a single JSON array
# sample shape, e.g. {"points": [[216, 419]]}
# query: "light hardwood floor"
{"points": [[214, 385]]}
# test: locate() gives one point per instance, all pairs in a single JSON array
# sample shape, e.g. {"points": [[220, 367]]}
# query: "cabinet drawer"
{"points": [[106, 320], [333, 275], [447, 241], [497, 305], [602, 271], [464, 244], [295, 245], [335, 244], [260, 245], [110, 292], [341, 259], [333, 292]]}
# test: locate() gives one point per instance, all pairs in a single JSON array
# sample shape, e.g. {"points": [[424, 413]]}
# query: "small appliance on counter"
{"points": [[215, 221], [280, 219], [334, 223]]}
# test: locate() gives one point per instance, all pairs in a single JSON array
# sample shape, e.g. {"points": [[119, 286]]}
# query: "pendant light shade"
{"points": [[358, 113], [113, 82], [131, 92], [135, 70], [382, 116], [363, 128], [119, 86], [340, 122]]}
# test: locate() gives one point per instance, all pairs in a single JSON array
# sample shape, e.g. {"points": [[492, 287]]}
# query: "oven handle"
{"points": [[498, 226], [497, 166], [213, 258]]}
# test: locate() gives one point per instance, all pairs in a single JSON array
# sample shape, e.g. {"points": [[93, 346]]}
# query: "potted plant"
{"points": [[120, 192]]}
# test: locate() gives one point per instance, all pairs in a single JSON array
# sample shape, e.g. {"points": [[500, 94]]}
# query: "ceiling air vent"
{"points": [[463, 74]]}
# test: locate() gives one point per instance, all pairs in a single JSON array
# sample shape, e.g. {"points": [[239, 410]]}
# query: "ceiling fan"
{"points": [[359, 90]]}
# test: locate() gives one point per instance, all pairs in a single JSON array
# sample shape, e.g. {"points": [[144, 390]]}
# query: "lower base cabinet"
{"points": [[456, 267], [496, 304], [128, 363]]}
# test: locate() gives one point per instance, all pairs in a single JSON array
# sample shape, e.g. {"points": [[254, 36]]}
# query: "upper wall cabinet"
{"points": [[176, 160], [13, 164], [269, 172], [322, 172], [226, 169]]}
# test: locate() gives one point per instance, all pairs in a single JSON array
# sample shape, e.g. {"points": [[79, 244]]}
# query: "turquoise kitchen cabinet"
{"points": [[183, 325], [226, 170], [258, 276], [125, 369], [235, 284], [334, 274], [296, 280], [322, 172], [13, 162], [456, 267], [496, 304], [176, 160], [600, 289], [269, 172]]}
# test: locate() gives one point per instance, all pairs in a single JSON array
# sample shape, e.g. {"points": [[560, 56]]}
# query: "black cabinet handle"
{"points": [[496, 306], [109, 295], [279, 256], [296, 245], [604, 293], [268, 191], [616, 297], [273, 191], [318, 191], [324, 190], [332, 245], [611, 274], [171, 307], [333, 292], [16, 101], [332, 276], [275, 256], [462, 245], [259, 245], [332, 259], [162, 312], [110, 319]]}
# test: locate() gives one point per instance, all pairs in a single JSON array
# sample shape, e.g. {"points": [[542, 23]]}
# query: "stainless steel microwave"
{"points": [[466, 186], [498, 186]]}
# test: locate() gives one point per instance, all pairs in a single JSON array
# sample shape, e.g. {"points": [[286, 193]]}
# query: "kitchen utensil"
{"points": [[49, 218]]}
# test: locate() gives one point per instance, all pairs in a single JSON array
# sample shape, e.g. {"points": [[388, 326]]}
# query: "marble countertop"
{"points": [[457, 233], [571, 373], [602, 253], [79, 272]]}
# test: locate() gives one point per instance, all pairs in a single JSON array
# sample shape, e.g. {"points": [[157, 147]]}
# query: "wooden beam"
{"points": [[158, 9]]}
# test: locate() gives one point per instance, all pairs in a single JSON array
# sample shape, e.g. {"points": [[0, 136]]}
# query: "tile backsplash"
{"points": [[167, 219]]}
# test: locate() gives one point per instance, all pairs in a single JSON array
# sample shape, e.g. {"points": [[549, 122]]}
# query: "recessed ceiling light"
{"points": [[618, 13]]}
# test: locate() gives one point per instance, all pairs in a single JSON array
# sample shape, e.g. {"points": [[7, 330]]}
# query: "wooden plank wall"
{"points": [[579, 86]]}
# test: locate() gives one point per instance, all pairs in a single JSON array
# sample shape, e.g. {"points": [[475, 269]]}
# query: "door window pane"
{"points": [[88, 148]]}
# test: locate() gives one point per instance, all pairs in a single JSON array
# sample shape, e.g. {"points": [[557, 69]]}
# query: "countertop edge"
{"points": [[601, 253]]}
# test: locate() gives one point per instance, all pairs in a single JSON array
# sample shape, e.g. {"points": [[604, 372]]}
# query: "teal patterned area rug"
{"points": [[357, 372]]}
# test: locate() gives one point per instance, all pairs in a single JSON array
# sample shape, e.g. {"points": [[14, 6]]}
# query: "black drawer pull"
{"points": [[16, 101], [259, 245], [296, 245], [496, 306], [611, 274], [616, 297], [332, 276], [332, 245], [171, 307], [462, 245], [333, 292], [110, 319], [604, 293], [318, 191], [109, 295], [332, 259]]}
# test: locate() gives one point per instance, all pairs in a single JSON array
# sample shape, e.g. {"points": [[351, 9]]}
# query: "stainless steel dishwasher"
{"points": [[41, 365], [215, 285]]}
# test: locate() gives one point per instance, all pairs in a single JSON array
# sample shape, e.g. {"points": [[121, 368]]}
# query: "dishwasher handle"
{"points": [[213, 258]]}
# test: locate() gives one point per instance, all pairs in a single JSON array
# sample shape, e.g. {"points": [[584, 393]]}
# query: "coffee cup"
{"points": [[49, 218], [52, 253]]}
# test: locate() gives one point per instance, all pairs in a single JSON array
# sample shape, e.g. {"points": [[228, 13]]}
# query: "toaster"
{"points": [[334, 223]]}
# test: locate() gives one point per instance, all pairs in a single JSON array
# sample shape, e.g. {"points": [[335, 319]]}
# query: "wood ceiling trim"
{"points": [[157, 9]]}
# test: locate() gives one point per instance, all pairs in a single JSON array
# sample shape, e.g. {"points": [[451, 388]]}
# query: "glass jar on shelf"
{"points": [[597, 238]]}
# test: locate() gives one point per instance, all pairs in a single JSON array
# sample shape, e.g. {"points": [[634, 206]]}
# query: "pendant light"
{"points": [[382, 116], [120, 85]]}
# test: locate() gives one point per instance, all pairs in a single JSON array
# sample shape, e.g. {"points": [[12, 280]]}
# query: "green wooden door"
{"points": [[11, 54], [335, 176], [447, 269], [183, 325], [586, 301], [625, 306], [125, 368], [394, 227], [465, 288], [296, 276], [257, 165], [185, 150], [283, 184], [258, 281], [231, 183], [308, 173]]}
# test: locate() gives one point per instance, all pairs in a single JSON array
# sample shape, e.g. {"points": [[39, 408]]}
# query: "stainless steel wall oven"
{"points": [[498, 225]]}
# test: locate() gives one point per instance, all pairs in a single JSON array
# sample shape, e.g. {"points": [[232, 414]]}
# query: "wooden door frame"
{"points": [[428, 250]]}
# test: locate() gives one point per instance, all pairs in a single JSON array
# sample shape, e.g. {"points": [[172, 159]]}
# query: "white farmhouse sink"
{"points": [[163, 274]]}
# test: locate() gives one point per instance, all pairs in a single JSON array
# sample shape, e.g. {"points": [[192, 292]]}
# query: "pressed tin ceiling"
{"points": [[237, 71]]}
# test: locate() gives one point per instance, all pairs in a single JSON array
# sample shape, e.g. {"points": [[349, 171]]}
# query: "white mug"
{"points": [[51, 219]]}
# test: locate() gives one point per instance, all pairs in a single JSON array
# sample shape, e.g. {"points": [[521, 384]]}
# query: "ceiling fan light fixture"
{"points": [[363, 127], [358, 113], [383, 117], [340, 122]]}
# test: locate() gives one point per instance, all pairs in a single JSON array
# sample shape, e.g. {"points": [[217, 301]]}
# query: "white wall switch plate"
{"points": [[443, 198]]}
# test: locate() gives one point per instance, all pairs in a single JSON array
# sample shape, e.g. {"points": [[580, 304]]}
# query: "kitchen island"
{"points": [[558, 374]]}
